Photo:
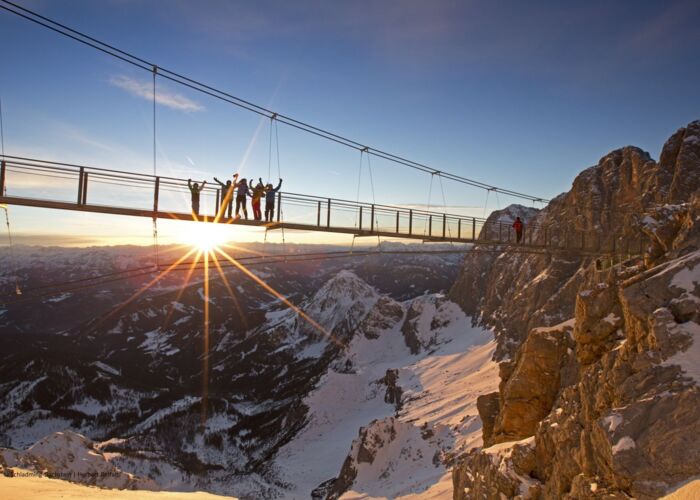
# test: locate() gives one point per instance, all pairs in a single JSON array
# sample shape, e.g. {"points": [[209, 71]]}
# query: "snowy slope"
{"points": [[439, 387]]}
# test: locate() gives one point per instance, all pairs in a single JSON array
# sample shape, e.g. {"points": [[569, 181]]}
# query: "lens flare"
{"points": [[206, 237]]}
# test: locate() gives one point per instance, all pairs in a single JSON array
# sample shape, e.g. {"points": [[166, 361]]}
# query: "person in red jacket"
{"points": [[518, 226]]}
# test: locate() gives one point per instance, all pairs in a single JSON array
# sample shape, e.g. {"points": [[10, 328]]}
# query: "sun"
{"points": [[206, 237]]}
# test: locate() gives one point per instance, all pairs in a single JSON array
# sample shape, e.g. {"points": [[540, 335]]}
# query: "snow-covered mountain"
{"points": [[131, 380]]}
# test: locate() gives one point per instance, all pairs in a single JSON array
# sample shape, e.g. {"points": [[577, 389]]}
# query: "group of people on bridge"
{"points": [[243, 190]]}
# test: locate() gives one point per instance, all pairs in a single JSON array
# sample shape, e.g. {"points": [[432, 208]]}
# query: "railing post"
{"points": [[318, 214], [360, 228], [459, 229], [397, 222], [328, 215], [2, 178], [371, 222], [279, 206], [80, 185], [444, 225], [410, 222], [473, 228], [155, 196], [430, 226], [85, 184]]}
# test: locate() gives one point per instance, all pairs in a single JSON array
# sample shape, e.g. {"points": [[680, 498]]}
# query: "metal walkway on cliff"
{"points": [[62, 186]]}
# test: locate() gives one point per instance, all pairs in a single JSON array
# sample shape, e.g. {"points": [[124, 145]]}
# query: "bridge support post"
{"points": [[444, 225], [279, 206], [371, 221], [85, 184], [156, 191], [360, 227], [318, 214], [473, 228], [2, 178], [80, 185], [410, 222], [430, 225], [397, 222], [328, 215], [459, 229]]}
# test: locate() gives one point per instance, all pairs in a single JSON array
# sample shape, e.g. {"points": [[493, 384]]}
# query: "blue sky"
{"points": [[522, 95]]}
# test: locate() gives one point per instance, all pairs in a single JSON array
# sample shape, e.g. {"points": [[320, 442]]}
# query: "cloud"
{"points": [[144, 89]]}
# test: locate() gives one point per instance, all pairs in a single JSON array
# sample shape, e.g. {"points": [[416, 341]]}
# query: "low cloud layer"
{"points": [[144, 89]]}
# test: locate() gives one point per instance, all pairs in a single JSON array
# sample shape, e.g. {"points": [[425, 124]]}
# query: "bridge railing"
{"points": [[83, 185]]}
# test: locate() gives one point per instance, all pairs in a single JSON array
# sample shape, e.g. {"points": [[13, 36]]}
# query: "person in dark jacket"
{"points": [[226, 198], [518, 226], [241, 194], [195, 189], [270, 193]]}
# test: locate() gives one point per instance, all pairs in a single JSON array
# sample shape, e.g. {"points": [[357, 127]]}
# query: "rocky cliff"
{"points": [[599, 389]]}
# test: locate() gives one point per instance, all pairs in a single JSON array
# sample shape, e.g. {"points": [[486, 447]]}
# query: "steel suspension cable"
{"points": [[430, 196], [444, 206], [155, 218], [13, 262], [224, 96], [374, 201]]}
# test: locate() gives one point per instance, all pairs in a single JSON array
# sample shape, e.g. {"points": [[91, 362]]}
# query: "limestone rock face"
{"points": [[504, 472], [681, 156], [514, 292], [488, 406], [528, 394], [607, 404]]}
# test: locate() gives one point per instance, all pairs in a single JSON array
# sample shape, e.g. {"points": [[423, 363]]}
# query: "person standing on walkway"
{"points": [[518, 226], [241, 194], [270, 193], [226, 198], [195, 189], [258, 193]]}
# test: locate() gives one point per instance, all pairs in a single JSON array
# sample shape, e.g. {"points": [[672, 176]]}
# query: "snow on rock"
{"points": [[624, 443], [70, 456], [688, 490], [612, 421], [689, 358]]}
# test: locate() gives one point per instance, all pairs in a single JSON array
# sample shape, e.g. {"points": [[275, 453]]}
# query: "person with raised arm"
{"points": [[270, 193], [241, 194], [195, 189], [226, 198]]}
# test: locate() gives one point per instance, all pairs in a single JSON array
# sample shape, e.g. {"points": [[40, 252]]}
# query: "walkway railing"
{"points": [[41, 183]]}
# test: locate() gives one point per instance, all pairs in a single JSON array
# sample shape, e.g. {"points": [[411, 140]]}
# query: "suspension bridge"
{"points": [[103, 191], [57, 185]]}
